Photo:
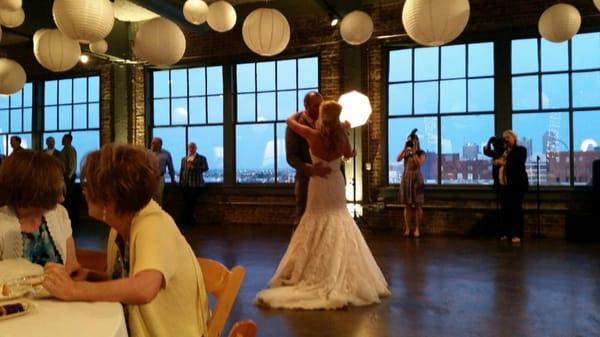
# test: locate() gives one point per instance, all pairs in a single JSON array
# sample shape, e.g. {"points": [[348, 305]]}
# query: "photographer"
{"points": [[513, 183], [412, 186]]}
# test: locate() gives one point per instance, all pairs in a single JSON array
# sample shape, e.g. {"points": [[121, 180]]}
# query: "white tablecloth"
{"points": [[52, 318]]}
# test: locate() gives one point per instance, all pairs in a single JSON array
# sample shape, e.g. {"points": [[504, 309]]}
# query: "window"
{"points": [[266, 94], [188, 107], [72, 106], [446, 93], [556, 106], [15, 118]]}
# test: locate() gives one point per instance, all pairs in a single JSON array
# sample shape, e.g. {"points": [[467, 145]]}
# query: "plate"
{"points": [[12, 309], [29, 286]]}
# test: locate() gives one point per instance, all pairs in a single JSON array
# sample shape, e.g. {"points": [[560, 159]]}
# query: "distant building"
{"points": [[528, 144], [470, 151]]}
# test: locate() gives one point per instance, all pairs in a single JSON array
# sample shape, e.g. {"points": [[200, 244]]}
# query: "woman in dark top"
{"points": [[513, 182]]}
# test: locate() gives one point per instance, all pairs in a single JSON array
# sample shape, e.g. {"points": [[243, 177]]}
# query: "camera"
{"points": [[412, 137], [495, 147]]}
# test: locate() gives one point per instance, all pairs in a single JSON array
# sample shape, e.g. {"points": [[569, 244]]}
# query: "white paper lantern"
{"points": [[12, 76], [12, 19], [597, 3], [127, 11], [266, 31], [160, 42], [221, 16], [356, 27], [559, 23], [85, 21], [356, 108], [12, 5], [435, 22], [54, 50], [99, 47], [195, 11]]}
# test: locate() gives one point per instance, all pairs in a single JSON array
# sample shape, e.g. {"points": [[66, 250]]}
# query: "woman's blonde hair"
{"points": [[31, 179], [329, 125], [124, 174], [511, 133]]}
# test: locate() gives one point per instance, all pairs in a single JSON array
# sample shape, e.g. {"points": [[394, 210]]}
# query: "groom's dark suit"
{"points": [[298, 156]]}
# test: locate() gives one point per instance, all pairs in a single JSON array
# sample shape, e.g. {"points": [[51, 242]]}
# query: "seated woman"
{"points": [[150, 266], [32, 223]]}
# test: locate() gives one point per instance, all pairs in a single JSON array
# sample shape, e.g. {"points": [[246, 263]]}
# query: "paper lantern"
{"points": [[12, 76], [266, 31], [221, 16], [356, 108], [99, 47], [559, 23], [160, 42], [130, 12], [12, 5], [85, 21], [195, 11], [54, 50], [435, 22], [597, 3], [356, 27], [12, 19]]}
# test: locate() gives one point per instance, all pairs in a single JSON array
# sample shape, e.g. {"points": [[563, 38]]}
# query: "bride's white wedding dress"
{"points": [[328, 264]]}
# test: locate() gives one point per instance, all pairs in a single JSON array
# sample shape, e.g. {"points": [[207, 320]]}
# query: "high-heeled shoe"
{"points": [[406, 233], [417, 234]]}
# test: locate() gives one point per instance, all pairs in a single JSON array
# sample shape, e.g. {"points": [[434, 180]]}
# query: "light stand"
{"points": [[356, 110], [538, 231], [359, 219]]}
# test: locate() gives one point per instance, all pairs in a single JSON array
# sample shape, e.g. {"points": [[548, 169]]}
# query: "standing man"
{"points": [[190, 177], [68, 155], [50, 143], [297, 155], [15, 144], [164, 162]]}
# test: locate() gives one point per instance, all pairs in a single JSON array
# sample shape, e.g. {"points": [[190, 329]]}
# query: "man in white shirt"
{"points": [[165, 162]]}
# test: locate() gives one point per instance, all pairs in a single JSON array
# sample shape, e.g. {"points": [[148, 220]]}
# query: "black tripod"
{"points": [[538, 230]]}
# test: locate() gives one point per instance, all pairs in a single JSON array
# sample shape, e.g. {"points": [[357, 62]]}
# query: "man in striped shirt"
{"points": [[190, 177]]}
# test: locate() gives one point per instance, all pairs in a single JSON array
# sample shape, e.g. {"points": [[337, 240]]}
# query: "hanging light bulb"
{"points": [[84, 58]]}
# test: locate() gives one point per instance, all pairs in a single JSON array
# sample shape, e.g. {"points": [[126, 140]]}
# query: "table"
{"points": [[52, 318]]}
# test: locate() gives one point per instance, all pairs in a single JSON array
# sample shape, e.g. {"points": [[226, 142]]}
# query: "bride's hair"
{"points": [[329, 125]]}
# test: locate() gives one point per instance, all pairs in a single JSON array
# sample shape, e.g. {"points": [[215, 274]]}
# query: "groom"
{"points": [[297, 155]]}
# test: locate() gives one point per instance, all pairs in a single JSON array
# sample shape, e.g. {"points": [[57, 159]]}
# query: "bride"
{"points": [[328, 264]]}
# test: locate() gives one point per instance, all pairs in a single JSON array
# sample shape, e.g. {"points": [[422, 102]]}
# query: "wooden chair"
{"points": [[224, 285], [245, 328], [91, 259]]}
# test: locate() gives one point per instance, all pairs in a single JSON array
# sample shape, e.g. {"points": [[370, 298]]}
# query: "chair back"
{"points": [[245, 328], [224, 285], [91, 259]]}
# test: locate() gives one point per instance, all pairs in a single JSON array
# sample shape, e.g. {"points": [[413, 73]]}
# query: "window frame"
{"points": [[386, 117], [150, 114], [279, 118]]}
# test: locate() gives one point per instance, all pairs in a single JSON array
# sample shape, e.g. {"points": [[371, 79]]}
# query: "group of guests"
{"points": [[150, 266], [193, 166], [509, 174]]}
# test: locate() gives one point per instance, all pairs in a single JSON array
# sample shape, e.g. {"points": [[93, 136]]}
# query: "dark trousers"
{"points": [[190, 196], [301, 193], [511, 201]]}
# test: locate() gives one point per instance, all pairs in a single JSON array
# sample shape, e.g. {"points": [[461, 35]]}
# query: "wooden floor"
{"points": [[440, 286]]}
